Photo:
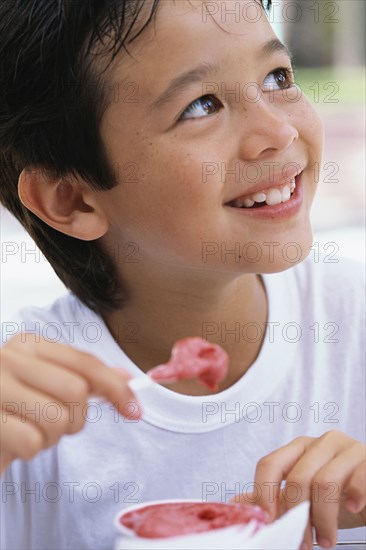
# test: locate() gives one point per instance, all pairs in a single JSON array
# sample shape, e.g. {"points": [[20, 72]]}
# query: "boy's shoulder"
{"points": [[60, 321], [66, 308], [328, 271], [331, 275], [322, 284], [337, 285]]}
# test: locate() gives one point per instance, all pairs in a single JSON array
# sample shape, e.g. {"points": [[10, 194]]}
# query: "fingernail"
{"points": [[139, 412], [324, 542]]}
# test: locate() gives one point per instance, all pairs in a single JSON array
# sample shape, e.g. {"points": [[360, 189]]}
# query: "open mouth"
{"points": [[268, 197]]}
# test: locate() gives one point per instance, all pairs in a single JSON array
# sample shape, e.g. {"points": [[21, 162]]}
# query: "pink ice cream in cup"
{"points": [[174, 518]]}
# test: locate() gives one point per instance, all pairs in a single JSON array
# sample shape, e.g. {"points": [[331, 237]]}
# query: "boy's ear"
{"points": [[66, 204]]}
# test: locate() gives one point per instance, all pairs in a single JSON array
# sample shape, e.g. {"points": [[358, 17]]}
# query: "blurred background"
{"points": [[327, 39]]}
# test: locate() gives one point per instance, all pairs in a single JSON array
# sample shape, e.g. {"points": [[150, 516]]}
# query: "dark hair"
{"points": [[52, 99]]}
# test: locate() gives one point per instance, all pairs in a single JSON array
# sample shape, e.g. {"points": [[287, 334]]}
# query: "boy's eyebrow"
{"points": [[198, 74], [273, 46], [192, 76]]}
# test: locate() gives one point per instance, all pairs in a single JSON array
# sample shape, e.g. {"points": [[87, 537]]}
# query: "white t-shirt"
{"points": [[307, 379]]}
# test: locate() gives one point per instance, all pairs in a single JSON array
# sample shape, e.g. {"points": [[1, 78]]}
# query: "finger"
{"points": [[245, 498], [47, 377], [20, 440], [131, 408], [308, 539], [5, 460], [101, 380], [273, 468], [329, 483], [350, 520], [319, 453], [43, 411], [250, 498], [356, 488], [108, 382], [253, 498]]}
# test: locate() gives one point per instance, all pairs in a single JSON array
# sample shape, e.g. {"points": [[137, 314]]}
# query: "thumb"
{"points": [[245, 498], [134, 408], [254, 499]]}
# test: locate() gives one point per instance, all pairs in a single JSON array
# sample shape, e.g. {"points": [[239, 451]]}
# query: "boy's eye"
{"points": [[201, 107], [279, 79]]}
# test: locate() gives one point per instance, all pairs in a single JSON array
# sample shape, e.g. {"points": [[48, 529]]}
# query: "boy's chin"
{"points": [[287, 255], [274, 256], [278, 267]]}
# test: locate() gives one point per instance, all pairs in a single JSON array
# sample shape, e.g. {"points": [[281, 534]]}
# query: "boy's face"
{"points": [[181, 160]]}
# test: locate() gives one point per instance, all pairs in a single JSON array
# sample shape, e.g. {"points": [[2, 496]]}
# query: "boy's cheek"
{"points": [[311, 128]]}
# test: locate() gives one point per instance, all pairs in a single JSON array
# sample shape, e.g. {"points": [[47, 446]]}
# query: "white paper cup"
{"points": [[284, 534]]}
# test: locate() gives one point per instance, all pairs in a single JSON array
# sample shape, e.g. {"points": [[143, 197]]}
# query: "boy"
{"points": [[130, 161]]}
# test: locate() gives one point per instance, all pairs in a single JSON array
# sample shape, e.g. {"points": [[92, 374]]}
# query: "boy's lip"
{"points": [[278, 211], [277, 181]]}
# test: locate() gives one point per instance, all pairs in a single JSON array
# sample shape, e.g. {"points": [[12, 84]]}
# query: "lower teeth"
{"points": [[256, 205]]}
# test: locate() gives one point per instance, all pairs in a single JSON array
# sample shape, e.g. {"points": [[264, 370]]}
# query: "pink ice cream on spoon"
{"points": [[193, 358]]}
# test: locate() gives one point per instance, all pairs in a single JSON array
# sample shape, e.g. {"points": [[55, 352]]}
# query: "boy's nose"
{"points": [[267, 129]]}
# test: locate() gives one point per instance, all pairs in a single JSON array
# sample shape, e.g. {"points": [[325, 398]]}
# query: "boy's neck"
{"points": [[156, 316]]}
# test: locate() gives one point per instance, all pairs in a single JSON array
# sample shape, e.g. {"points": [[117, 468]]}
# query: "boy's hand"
{"points": [[329, 471], [35, 374]]}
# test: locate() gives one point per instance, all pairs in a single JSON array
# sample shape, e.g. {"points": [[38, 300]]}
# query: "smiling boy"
{"points": [[101, 157]]}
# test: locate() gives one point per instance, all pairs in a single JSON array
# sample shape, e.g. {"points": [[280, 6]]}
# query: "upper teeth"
{"points": [[271, 196]]}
